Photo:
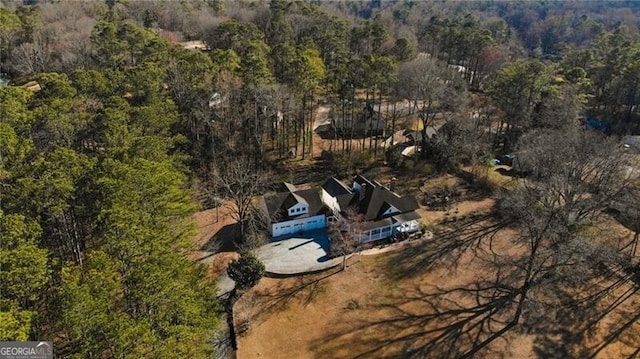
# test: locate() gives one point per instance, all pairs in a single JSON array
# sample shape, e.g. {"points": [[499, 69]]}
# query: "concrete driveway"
{"points": [[301, 254]]}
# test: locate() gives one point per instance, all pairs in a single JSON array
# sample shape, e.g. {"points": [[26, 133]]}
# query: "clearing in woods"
{"points": [[386, 305]]}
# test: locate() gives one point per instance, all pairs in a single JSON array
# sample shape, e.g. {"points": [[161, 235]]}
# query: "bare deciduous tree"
{"points": [[433, 88], [573, 178], [240, 181], [341, 243], [29, 58]]}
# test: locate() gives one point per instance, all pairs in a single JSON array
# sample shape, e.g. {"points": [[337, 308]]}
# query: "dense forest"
{"points": [[113, 132]]}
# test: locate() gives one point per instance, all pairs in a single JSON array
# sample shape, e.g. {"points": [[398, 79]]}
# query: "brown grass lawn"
{"points": [[376, 308], [382, 306], [208, 224]]}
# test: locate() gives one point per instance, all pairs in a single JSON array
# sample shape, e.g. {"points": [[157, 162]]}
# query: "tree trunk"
{"points": [[342, 126], [393, 123], [375, 146], [304, 125], [351, 120], [311, 117]]}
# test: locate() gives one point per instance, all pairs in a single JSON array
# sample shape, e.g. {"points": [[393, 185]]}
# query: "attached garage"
{"points": [[298, 225], [292, 210], [315, 223]]}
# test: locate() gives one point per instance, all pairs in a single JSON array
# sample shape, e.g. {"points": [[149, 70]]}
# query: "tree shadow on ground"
{"points": [[427, 320], [275, 299], [227, 239], [593, 317], [448, 244], [583, 340], [424, 322], [467, 318], [627, 219]]}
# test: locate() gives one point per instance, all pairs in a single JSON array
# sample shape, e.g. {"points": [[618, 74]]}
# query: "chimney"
{"points": [[392, 185], [363, 192]]}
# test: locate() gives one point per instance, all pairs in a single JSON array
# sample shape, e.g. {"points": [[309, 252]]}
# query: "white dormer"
{"points": [[298, 209], [391, 210]]}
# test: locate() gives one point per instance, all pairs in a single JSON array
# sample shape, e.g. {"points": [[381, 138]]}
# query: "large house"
{"points": [[291, 210], [374, 211]]}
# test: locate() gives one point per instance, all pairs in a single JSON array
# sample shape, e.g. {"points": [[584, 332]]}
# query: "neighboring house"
{"points": [[366, 122], [33, 86], [417, 137], [396, 138], [374, 211], [195, 45], [291, 210], [408, 142], [4, 81]]}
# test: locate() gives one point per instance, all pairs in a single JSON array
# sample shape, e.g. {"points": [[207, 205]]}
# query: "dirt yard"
{"points": [[210, 238]]}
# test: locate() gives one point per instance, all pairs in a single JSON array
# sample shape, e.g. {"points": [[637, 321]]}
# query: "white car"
{"points": [[409, 227]]}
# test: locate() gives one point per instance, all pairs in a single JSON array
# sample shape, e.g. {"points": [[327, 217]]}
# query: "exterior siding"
{"points": [[331, 202], [297, 209], [378, 233]]}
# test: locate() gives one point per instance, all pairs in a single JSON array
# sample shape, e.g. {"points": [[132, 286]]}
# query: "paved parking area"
{"points": [[303, 253]]}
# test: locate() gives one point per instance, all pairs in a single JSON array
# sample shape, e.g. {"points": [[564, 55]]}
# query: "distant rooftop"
{"points": [[195, 45]]}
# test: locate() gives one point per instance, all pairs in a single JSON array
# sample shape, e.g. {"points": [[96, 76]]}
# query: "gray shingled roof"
{"points": [[341, 192], [335, 187], [378, 199], [406, 217], [312, 197], [285, 187], [417, 136], [276, 205], [292, 199]]}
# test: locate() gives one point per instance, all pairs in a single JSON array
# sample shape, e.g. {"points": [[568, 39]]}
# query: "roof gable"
{"points": [[335, 187], [277, 205], [292, 199], [379, 199]]}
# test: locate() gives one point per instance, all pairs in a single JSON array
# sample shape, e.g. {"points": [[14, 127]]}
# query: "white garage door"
{"points": [[281, 230], [314, 224], [302, 226]]}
